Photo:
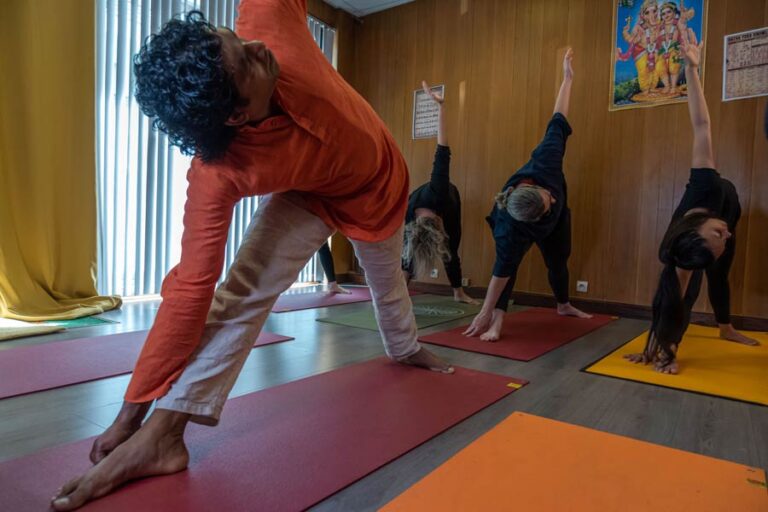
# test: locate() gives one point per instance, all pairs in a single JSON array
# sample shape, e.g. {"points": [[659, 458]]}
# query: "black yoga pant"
{"points": [[718, 286], [556, 249], [326, 260]]}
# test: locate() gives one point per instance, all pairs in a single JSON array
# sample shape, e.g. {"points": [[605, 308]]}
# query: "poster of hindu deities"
{"points": [[745, 70], [648, 66]]}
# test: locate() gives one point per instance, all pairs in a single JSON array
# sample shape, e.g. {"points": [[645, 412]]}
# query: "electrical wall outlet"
{"points": [[434, 274], [464, 281], [582, 286]]}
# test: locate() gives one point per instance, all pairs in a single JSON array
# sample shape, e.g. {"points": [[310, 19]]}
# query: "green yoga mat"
{"points": [[86, 321], [429, 310]]}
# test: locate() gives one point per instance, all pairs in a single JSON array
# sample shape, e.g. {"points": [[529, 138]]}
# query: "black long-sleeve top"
{"points": [[707, 189], [545, 168], [442, 197]]}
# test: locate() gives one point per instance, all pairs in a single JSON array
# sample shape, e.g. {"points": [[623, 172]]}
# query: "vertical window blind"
{"points": [[141, 178]]}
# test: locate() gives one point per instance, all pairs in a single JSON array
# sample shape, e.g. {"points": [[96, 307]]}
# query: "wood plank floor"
{"points": [[716, 427]]}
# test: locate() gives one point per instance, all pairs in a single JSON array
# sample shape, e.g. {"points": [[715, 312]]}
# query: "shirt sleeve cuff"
{"points": [[560, 119]]}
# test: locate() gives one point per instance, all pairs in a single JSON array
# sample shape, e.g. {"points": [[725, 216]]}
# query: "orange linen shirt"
{"points": [[330, 146]]}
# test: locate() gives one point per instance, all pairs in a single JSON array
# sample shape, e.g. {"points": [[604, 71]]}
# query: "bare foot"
{"points": [[568, 310], [156, 449], [494, 331], [459, 295], [114, 436], [668, 367], [333, 288], [426, 359], [727, 332], [127, 423]]}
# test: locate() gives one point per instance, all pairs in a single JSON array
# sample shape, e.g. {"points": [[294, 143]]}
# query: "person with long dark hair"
{"points": [[532, 208], [433, 218], [269, 117], [699, 240]]}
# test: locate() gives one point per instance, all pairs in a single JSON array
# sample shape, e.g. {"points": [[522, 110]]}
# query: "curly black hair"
{"points": [[182, 85]]}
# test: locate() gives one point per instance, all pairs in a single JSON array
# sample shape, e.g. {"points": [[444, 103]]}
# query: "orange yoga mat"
{"points": [[528, 463]]}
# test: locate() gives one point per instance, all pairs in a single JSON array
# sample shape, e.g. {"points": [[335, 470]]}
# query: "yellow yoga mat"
{"points": [[707, 365], [527, 463]]}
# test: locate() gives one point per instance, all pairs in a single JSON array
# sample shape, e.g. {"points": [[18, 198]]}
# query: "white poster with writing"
{"points": [[425, 112], [745, 66]]}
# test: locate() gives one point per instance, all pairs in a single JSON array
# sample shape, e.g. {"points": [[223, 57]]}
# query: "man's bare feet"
{"points": [[426, 359], [114, 436], [127, 423], [157, 448], [333, 288], [494, 331], [459, 295], [727, 332], [568, 310]]}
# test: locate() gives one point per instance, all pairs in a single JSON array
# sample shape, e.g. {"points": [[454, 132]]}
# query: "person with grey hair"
{"points": [[532, 208], [433, 218]]}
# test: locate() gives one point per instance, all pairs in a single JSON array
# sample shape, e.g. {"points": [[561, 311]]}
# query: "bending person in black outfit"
{"points": [[699, 240], [532, 208], [433, 219], [326, 260]]}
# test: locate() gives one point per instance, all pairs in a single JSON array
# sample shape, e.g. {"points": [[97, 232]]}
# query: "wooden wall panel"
{"points": [[500, 61]]}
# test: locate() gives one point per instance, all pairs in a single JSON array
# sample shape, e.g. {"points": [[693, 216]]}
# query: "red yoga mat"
{"points": [[284, 448], [51, 365], [298, 301], [525, 336]]}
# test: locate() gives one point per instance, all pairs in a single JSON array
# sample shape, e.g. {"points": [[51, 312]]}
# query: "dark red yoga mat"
{"points": [[284, 448], [526, 335], [310, 300], [62, 363]]}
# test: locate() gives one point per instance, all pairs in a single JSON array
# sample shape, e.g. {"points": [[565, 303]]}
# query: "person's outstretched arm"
{"points": [[442, 136], [441, 176], [551, 150], [697, 104], [563, 101]]}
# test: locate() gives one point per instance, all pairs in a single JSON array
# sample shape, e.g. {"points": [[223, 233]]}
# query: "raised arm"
{"points": [[442, 136], [440, 178], [563, 101], [697, 104]]}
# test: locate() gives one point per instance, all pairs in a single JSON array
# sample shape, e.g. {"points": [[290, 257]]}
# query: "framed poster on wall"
{"points": [[745, 65], [647, 65]]}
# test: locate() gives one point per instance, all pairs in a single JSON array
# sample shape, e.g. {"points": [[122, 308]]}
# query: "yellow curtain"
{"points": [[48, 161]]}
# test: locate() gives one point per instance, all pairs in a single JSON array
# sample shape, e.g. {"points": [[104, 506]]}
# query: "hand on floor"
{"points": [[480, 323]]}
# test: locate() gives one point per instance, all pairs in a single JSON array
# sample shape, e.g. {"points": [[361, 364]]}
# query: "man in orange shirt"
{"points": [[266, 116]]}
